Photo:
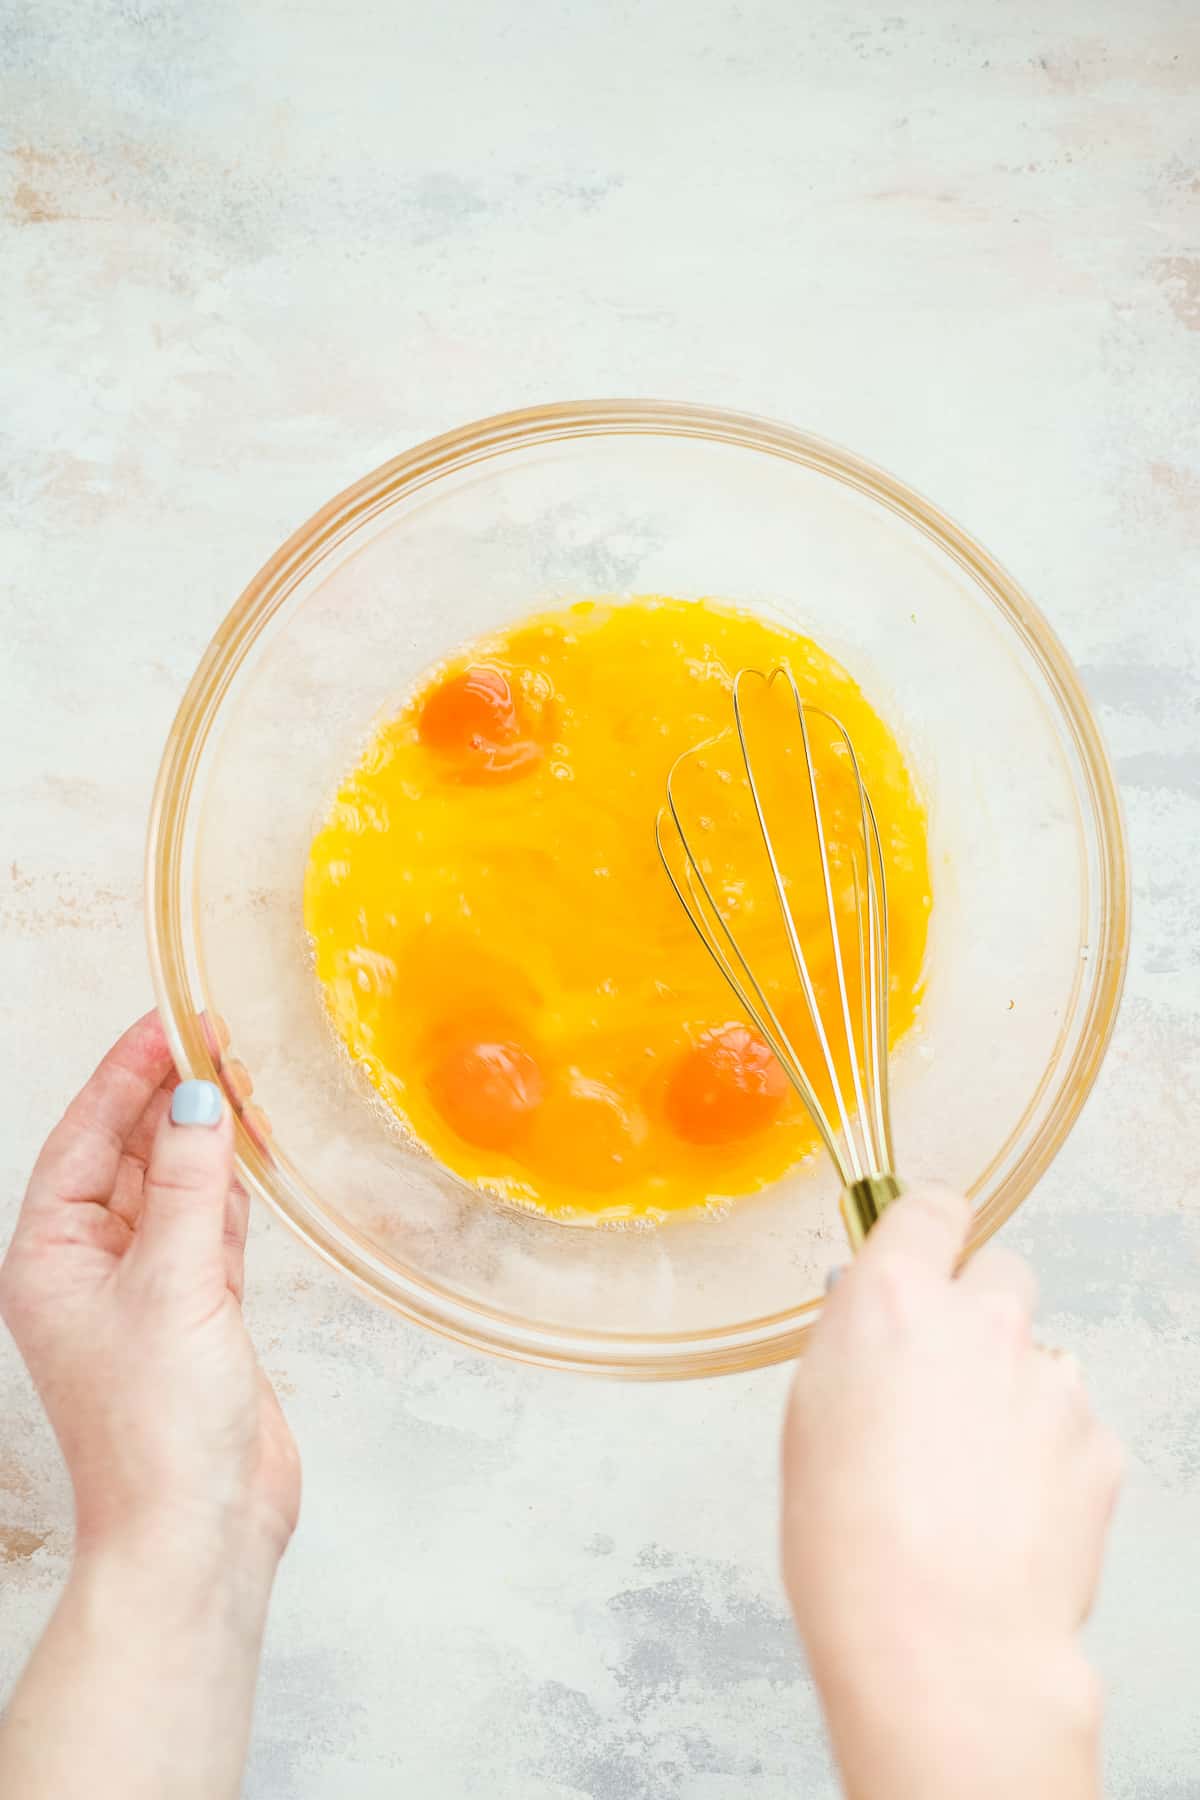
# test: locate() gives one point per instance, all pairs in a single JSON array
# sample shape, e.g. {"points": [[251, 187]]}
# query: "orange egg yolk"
{"points": [[728, 1086], [475, 720], [486, 1092], [501, 953]]}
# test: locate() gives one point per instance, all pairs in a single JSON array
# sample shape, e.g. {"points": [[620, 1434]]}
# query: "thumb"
{"points": [[927, 1225], [181, 1231]]}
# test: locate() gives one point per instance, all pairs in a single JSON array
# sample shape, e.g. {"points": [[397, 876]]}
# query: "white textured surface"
{"points": [[249, 251]]}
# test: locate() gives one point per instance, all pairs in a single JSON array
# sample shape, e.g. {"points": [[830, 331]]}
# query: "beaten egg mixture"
{"points": [[502, 954]]}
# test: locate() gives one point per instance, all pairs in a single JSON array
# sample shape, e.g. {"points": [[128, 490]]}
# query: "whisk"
{"points": [[845, 1084]]}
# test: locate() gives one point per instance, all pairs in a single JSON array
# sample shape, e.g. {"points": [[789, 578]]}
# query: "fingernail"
{"points": [[832, 1279], [196, 1103]]}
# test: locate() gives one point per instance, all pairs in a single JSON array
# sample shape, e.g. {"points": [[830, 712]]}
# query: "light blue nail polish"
{"points": [[832, 1279], [196, 1103]]}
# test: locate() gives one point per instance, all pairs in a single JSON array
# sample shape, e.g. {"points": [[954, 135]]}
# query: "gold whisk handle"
{"points": [[864, 1202]]}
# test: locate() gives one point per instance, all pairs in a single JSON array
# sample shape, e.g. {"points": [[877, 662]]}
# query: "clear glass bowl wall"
{"points": [[1028, 938]]}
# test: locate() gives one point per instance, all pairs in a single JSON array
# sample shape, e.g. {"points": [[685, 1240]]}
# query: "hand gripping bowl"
{"points": [[1029, 930]]}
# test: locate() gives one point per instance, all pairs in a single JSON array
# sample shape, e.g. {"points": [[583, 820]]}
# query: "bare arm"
{"points": [[143, 1684]]}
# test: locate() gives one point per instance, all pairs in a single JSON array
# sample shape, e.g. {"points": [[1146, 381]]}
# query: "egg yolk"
{"points": [[728, 1086], [486, 1092], [474, 719], [501, 953]]}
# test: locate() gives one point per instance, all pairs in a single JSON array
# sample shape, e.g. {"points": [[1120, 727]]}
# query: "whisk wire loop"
{"points": [[714, 933]]}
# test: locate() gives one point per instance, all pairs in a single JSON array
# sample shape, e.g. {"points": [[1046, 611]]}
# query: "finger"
{"points": [[126, 1200], [237, 1219], [927, 1226], [1002, 1285], [181, 1235], [1057, 1381], [140, 1141], [1109, 1456], [1105, 1473], [216, 1034], [1066, 1368], [83, 1153]]}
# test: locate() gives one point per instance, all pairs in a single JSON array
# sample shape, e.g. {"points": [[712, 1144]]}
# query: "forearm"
{"points": [[979, 1728], [143, 1686]]}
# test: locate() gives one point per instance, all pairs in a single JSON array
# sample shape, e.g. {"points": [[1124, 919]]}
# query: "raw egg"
{"points": [[499, 948]]}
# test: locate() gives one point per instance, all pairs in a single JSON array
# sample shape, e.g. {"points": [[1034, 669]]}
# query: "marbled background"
{"points": [[247, 251]]}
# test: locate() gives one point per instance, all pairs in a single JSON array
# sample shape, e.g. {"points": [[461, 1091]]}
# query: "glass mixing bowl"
{"points": [[1029, 929]]}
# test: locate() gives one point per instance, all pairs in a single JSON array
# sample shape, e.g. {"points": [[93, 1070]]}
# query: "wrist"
{"points": [[180, 1537], [170, 1575], [983, 1720]]}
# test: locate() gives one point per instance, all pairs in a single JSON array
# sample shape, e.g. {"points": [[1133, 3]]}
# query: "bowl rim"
{"points": [[776, 1337]]}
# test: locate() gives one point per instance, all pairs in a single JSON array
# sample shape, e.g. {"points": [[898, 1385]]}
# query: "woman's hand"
{"points": [[947, 1495], [123, 1290]]}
